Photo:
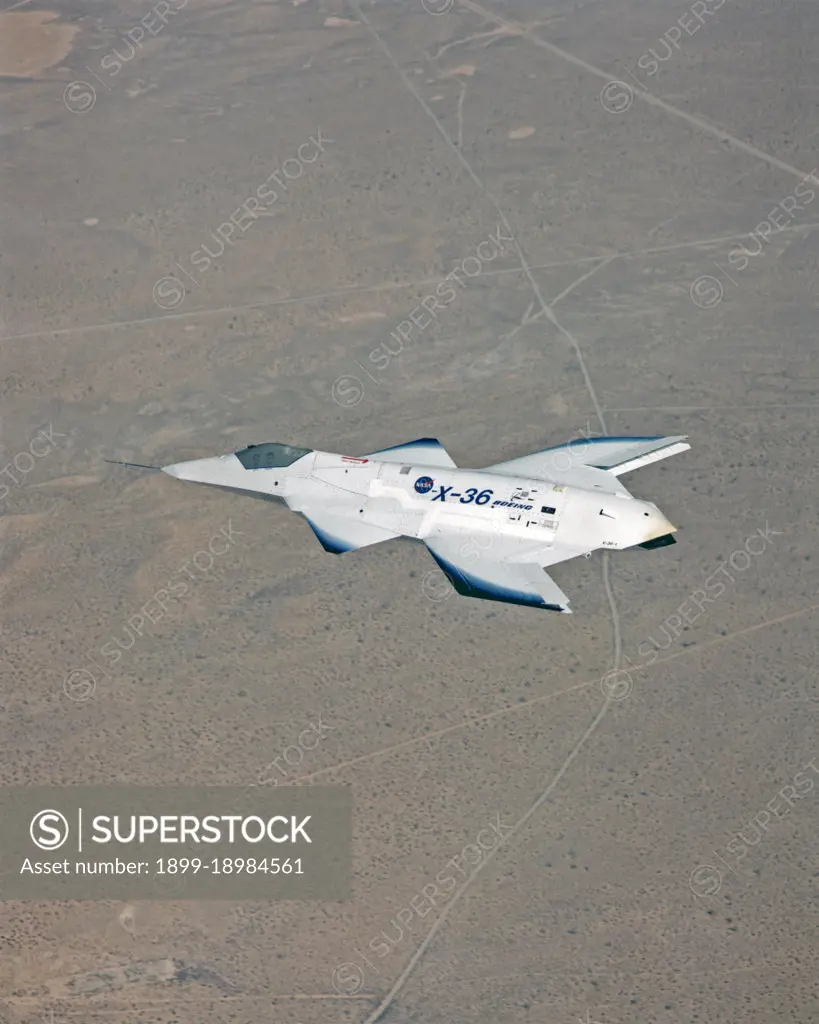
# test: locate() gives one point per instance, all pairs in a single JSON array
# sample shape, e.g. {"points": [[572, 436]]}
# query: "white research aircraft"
{"points": [[493, 531]]}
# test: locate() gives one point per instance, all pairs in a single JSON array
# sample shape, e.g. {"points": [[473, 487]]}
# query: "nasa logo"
{"points": [[423, 484]]}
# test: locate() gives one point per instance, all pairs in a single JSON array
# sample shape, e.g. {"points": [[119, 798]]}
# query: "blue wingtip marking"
{"points": [[492, 591], [423, 442], [579, 442], [330, 543]]}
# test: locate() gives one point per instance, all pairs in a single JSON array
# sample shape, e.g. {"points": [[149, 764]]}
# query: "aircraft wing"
{"points": [[615, 455], [498, 568], [426, 451], [339, 533]]}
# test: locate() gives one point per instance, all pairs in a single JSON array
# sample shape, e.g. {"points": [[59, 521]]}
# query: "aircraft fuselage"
{"points": [[418, 501]]}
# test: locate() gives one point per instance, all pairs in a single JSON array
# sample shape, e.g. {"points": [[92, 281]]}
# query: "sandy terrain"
{"points": [[126, 143]]}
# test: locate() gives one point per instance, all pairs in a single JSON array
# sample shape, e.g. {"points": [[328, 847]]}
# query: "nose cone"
{"points": [[228, 473], [180, 470], [202, 471]]}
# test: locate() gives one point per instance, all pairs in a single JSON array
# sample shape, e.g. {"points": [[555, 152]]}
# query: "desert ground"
{"points": [[622, 160]]}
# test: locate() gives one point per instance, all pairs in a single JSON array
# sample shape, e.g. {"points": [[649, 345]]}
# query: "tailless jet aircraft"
{"points": [[493, 531]]}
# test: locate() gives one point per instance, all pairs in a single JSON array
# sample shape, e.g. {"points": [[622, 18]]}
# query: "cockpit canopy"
{"points": [[270, 455]]}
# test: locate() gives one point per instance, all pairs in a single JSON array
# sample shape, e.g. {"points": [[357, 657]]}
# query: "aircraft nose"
{"points": [[198, 470], [178, 470]]}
